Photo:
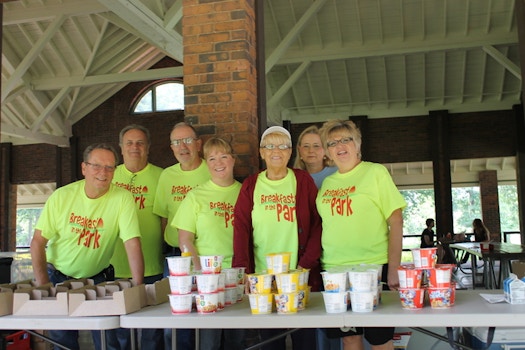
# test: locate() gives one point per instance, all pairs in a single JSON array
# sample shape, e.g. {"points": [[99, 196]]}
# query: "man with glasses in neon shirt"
{"points": [[174, 183], [140, 177], [80, 225]]}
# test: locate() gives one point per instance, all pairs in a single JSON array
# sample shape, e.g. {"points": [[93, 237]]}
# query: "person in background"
{"points": [[174, 184], [427, 236], [205, 223], [311, 155], [275, 212], [140, 177], [481, 232], [361, 211], [80, 226]]}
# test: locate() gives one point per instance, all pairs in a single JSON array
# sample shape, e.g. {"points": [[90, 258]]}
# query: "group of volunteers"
{"points": [[331, 209]]}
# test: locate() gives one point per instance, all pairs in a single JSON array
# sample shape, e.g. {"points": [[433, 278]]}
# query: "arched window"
{"points": [[161, 97]]}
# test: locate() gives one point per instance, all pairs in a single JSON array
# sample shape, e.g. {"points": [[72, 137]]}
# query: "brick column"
{"points": [[220, 75], [488, 190]]}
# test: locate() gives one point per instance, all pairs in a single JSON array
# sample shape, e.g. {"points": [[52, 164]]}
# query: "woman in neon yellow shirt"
{"points": [[362, 217], [205, 223]]}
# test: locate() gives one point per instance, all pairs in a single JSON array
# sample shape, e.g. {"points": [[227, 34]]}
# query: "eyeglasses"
{"points": [[99, 167], [343, 141], [271, 146], [186, 141]]}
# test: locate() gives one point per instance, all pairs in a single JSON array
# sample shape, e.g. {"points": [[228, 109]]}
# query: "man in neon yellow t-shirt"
{"points": [[140, 177], [174, 184], [177, 180], [80, 225]]}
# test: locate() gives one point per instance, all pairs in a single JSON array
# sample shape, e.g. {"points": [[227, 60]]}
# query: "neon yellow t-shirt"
{"points": [[274, 219], [174, 185], [82, 232], [354, 208], [143, 186], [207, 211]]}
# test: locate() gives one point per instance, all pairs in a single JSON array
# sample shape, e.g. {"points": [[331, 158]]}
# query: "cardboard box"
{"points": [[514, 290], [157, 293], [400, 340], [40, 301], [106, 299], [6, 302], [504, 338], [518, 268]]}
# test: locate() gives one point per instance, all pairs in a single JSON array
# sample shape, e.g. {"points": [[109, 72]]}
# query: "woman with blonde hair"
{"points": [[311, 155], [361, 210]]}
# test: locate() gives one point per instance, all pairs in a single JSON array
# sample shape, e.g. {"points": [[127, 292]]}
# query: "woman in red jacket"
{"points": [[276, 212]]}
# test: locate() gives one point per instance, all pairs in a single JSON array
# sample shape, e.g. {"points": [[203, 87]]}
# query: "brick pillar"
{"points": [[488, 189], [220, 74]]}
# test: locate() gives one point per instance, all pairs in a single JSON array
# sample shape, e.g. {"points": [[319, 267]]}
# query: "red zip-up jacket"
{"points": [[309, 227]]}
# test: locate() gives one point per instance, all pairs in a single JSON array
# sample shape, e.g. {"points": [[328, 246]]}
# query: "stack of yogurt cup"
{"points": [[180, 284], [209, 290], [357, 287], [426, 278], [278, 286], [211, 285]]}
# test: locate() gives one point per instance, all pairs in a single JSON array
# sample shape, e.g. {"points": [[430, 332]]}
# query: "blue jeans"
{"points": [[185, 337], [150, 338], [70, 338], [325, 343], [302, 339], [210, 339]]}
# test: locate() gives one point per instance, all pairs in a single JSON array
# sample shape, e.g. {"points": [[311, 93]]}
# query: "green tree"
{"points": [[26, 219]]}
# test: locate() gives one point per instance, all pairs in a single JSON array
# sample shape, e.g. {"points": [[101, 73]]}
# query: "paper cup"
{"points": [[335, 302], [260, 283], [278, 262], [231, 277], [411, 298], [179, 265], [240, 292], [409, 277], [362, 281], [286, 303], [221, 302], [240, 274], [221, 284], [442, 298], [211, 263], [261, 303], [230, 295], [207, 303], [424, 257], [439, 277], [180, 304], [362, 301], [303, 295], [335, 281], [208, 283], [304, 274], [180, 284], [287, 282]]}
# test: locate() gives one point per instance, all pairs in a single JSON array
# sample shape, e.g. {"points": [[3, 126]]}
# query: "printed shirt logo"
{"points": [[88, 230], [339, 200], [284, 205], [180, 192], [140, 193], [225, 210]]}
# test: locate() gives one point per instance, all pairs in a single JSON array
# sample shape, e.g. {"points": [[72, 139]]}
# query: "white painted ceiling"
{"points": [[324, 58]]}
